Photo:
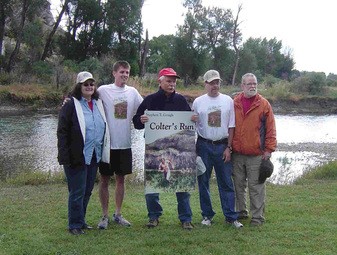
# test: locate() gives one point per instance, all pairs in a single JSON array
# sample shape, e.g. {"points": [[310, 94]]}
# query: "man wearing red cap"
{"points": [[165, 99]]}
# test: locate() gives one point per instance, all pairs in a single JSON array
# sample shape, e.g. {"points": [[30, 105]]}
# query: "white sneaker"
{"points": [[235, 224], [120, 220], [103, 224], [206, 221]]}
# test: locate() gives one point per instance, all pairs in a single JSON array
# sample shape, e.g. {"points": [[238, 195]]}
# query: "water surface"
{"points": [[28, 143]]}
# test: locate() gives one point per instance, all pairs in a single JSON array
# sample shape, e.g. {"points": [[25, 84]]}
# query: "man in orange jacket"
{"points": [[254, 140]]}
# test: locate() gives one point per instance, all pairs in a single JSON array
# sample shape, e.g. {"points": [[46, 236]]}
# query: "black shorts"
{"points": [[120, 163]]}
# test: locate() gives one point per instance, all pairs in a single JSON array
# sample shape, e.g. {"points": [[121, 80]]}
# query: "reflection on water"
{"points": [[290, 165], [28, 143], [296, 129], [306, 128]]}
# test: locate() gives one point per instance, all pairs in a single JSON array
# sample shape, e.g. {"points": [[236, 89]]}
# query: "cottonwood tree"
{"points": [[24, 27], [95, 28], [125, 25], [208, 33], [86, 23], [49, 39], [265, 57], [143, 51], [18, 31], [5, 11], [161, 53], [189, 54]]}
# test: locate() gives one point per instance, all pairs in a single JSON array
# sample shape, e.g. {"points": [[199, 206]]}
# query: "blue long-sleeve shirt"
{"points": [[94, 131]]}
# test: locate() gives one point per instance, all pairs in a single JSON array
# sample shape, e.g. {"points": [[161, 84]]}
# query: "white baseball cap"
{"points": [[84, 76], [212, 75]]}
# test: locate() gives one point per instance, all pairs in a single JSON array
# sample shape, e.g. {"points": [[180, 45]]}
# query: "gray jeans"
{"points": [[246, 172]]}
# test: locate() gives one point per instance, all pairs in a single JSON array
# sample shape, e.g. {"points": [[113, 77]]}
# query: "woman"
{"points": [[83, 142]]}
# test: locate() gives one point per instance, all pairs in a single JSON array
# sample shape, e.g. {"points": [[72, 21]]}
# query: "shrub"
{"points": [[310, 83], [91, 65], [5, 78], [270, 80], [324, 172], [43, 71], [105, 70], [331, 80], [280, 90]]}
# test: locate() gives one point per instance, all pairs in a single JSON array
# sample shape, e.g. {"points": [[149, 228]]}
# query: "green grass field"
{"points": [[300, 219]]}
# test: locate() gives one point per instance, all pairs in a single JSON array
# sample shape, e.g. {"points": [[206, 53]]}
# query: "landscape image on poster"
{"points": [[170, 163]]}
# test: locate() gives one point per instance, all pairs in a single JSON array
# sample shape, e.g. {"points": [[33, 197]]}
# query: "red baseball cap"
{"points": [[168, 72]]}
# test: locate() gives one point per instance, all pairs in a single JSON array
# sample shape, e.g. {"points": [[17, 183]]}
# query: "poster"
{"points": [[170, 158]]}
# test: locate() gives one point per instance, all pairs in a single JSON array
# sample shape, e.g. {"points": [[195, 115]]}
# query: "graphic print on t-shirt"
{"points": [[214, 118], [121, 110]]}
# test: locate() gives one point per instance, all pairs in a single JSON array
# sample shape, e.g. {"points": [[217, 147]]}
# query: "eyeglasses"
{"points": [[214, 82], [250, 84], [88, 84]]}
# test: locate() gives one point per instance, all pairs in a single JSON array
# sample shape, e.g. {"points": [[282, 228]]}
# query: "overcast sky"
{"points": [[308, 28]]}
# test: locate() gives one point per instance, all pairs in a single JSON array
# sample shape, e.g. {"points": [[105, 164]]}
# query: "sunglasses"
{"points": [[88, 84]]}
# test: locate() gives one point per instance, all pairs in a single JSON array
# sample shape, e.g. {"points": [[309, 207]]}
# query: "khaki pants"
{"points": [[246, 171]]}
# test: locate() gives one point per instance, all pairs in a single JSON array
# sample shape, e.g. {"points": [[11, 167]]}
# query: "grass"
{"points": [[301, 219], [38, 96]]}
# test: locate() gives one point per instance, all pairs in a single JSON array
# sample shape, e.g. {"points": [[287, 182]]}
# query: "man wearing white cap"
{"points": [[215, 122]]}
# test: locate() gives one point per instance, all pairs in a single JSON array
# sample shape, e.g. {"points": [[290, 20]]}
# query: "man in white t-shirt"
{"points": [[215, 122], [120, 103]]}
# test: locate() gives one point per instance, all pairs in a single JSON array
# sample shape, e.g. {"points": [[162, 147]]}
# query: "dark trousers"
{"points": [[81, 182]]}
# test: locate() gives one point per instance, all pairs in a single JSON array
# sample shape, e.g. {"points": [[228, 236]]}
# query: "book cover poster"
{"points": [[170, 158]]}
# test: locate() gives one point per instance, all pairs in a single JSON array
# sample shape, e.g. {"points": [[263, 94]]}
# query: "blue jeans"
{"points": [[155, 210], [81, 182], [212, 156]]}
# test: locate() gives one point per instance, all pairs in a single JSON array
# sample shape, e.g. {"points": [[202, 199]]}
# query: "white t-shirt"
{"points": [[120, 105], [216, 115]]}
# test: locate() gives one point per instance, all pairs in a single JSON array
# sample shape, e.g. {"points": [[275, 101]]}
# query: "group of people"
{"points": [[233, 137]]}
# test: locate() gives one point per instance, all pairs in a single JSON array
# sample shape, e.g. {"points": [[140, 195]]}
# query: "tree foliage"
{"points": [[98, 32], [264, 57], [95, 28]]}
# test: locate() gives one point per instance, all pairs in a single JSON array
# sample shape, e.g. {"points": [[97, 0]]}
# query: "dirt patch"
{"points": [[305, 106], [328, 149]]}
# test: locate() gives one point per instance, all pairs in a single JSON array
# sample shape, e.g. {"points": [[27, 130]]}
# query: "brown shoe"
{"points": [[254, 223], [187, 225], [76, 231], [152, 223]]}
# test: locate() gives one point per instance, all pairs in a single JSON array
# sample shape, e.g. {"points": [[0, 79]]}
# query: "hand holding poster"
{"points": [[170, 158]]}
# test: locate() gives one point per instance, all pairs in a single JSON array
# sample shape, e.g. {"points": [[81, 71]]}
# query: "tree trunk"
{"points": [[144, 52], [236, 36], [16, 50], [51, 35], [2, 26]]}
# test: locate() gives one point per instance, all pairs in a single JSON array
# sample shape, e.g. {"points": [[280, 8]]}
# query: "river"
{"points": [[28, 143]]}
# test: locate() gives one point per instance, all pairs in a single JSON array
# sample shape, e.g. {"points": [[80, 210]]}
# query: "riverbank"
{"points": [[313, 105]]}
